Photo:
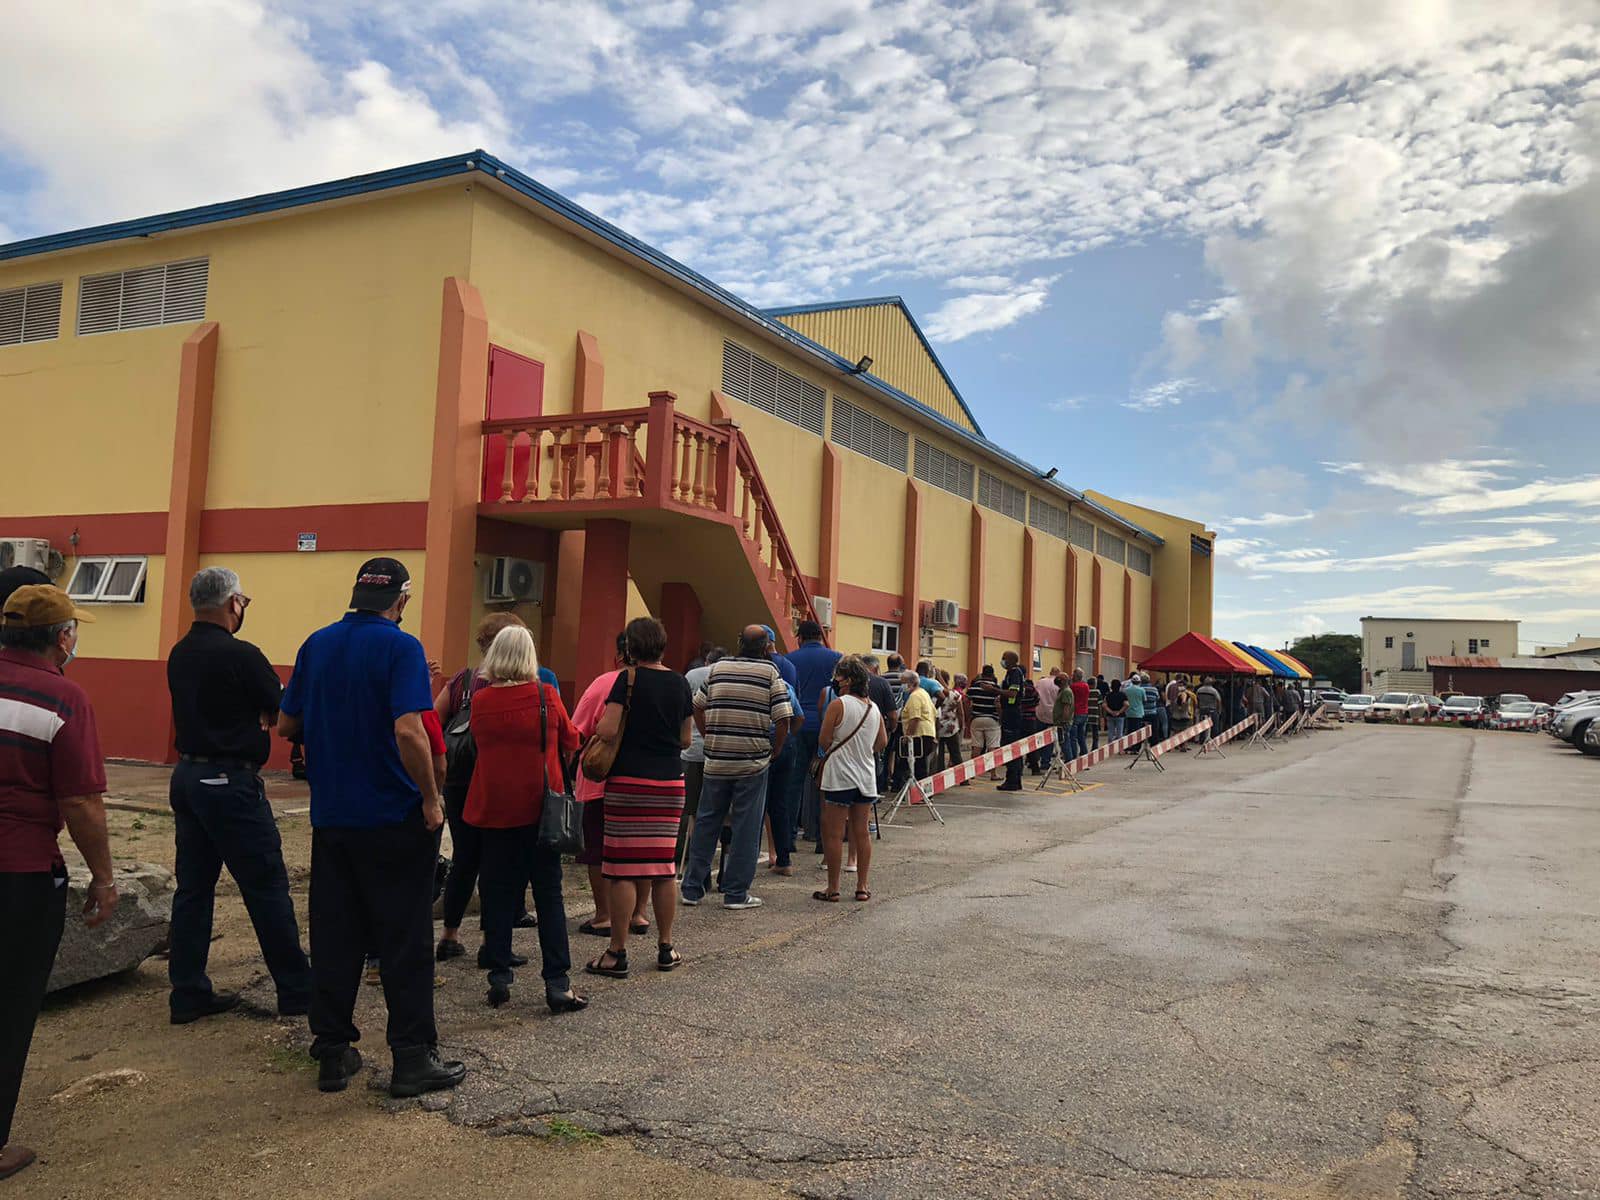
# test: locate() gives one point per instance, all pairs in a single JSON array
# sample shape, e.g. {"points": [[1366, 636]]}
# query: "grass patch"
{"points": [[287, 1059], [568, 1131]]}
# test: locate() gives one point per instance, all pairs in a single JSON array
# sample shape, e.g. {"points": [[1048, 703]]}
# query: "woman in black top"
{"points": [[644, 791]]}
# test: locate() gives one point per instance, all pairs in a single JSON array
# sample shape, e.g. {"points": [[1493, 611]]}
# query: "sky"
{"points": [[1324, 274]]}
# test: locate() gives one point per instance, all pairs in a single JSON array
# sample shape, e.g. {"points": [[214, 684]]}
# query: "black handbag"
{"points": [[561, 818], [460, 747]]}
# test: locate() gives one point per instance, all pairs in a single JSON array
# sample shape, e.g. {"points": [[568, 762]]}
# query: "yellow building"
{"points": [[451, 364]]}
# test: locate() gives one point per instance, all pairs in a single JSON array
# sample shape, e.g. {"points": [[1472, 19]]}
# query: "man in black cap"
{"points": [[224, 700], [357, 695]]}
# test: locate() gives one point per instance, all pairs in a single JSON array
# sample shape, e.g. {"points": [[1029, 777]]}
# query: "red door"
{"points": [[516, 389]]}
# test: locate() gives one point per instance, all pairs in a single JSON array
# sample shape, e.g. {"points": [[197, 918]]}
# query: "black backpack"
{"points": [[460, 749]]}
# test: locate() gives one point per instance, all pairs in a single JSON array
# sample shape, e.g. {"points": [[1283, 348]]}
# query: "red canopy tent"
{"points": [[1196, 654]]}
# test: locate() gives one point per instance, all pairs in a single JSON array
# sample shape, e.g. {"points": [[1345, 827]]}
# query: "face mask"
{"points": [[71, 654], [240, 619]]}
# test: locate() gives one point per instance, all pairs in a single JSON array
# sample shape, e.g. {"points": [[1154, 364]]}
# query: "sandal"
{"points": [[667, 959], [826, 897], [862, 895], [594, 930], [618, 968], [641, 927]]}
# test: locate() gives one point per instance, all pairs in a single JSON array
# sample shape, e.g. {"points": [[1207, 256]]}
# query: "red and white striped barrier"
{"points": [[1215, 745], [1153, 753], [1095, 757], [1263, 732], [984, 763]]}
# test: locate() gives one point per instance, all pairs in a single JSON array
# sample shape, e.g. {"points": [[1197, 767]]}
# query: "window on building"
{"points": [[767, 386], [858, 430], [165, 294], [1483, 643], [1109, 545], [943, 470], [1081, 531], [1472, 645], [885, 637], [1038, 658], [1048, 517], [1139, 559], [1388, 643], [1003, 497], [30, 314], [1112, 667], [109, 580]]}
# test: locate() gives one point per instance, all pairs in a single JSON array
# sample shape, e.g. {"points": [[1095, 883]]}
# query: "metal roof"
{"points": [[1571, 662], [483, 163]]}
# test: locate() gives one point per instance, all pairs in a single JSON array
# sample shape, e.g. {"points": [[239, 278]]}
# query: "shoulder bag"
{"points": [[600, 753], [460, 748], [560, 820], [817, 762]]}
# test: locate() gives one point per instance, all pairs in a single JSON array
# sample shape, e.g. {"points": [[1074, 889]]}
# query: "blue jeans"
{"points": [[805, 799], [1160, 730], [786, 780], [1079, 738], [744, 796], [229, 823], [1114, 728]]}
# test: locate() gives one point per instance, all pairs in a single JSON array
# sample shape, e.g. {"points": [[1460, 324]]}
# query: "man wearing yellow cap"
{"points": [[51, 773]]}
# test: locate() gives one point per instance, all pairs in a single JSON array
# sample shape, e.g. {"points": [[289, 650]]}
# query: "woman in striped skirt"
{"points": [[644, 792]]}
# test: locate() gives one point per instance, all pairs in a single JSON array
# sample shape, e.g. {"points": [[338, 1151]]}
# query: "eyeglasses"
{"points": [[244, 601]]}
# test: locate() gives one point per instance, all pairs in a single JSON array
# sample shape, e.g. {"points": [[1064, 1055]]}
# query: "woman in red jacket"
{"points": [[522, 733]]}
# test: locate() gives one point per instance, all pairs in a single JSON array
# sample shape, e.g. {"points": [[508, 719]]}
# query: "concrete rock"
{"points": [[135, 931], [101, 1081]]}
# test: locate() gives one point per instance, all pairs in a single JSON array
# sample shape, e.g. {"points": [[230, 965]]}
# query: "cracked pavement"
{"points": [[1363, 964]]}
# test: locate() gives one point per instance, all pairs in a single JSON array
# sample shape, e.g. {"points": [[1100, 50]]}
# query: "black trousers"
{"points": [[466, 858], [33, 910], [1009, 734], [221, 818], [372, 889], [512, 858]]}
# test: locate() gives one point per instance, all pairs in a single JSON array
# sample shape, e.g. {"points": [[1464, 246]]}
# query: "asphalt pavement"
{"points": [[1363, 964]]}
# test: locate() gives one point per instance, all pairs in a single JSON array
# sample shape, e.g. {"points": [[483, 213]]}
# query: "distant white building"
{"points": [[1395, 650], [1578, 645]]}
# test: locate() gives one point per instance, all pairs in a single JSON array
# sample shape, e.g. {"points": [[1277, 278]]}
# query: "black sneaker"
{"points": [[526, 921], [219, 1002], [334, 1073], [419, 1069]]}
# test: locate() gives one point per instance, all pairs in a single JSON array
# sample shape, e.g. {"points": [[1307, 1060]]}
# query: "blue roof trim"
{"points": [[487, 164], [232, 210], [876, 302]]}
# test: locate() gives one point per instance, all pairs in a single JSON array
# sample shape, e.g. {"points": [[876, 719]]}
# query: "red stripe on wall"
{"points": [[856, 601], [131, 706], [400, 525], [98, 533], [1001, 629], [511, 539]]}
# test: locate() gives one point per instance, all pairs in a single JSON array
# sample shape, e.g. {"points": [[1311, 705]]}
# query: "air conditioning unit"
{"points": [[823, 606], [946, 614], [514, 581], [1088, 637], [29, 552]]}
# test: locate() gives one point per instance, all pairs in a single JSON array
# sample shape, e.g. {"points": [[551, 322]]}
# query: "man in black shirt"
{"points": [[224, 699]]}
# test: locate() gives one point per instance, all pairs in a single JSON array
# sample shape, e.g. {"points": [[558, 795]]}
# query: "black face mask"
{"points": [[240, 625]]}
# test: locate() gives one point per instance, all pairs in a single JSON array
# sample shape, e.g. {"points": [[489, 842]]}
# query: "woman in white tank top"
{"points": [[852, 732]]}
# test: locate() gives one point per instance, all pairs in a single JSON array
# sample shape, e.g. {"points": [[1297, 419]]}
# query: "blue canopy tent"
{"points": [[1276, 665]]}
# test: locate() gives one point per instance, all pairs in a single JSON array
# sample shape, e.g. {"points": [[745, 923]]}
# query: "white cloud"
{"points": [[1169, 393], [984, 312], [1265, 520]]}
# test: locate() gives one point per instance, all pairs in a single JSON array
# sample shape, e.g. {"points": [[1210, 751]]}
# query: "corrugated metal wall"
{"points": [[898, 357]]}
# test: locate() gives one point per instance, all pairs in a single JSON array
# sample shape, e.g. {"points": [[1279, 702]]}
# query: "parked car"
{"points": [[1434, 704], [1571, 723], [1504, 698], [1354, 707], [1393, 706], [1571, 698], [1468, 710], [1590, 742], [1518, 711]]}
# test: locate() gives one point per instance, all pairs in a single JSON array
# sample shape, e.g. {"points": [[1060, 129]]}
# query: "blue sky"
{"points": [[1326, 275]]}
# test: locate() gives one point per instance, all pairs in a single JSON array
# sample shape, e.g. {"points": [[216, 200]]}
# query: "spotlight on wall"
{"points": [[1051, 473], [863, 365]]}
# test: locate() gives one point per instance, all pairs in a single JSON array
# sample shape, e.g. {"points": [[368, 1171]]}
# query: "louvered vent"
{"points": [[30, 314], [1112, 547], [1139, 559], [165, 294], [1081, 532], [767, 386], [1049, 518], [1003, 497], [944, 470], [864, 433]]}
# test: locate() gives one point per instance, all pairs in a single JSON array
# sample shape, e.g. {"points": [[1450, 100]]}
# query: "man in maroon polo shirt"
{"points": [[51, 773]]}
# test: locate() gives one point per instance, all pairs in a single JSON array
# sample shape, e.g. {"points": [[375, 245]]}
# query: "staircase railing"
{"points": [[594, 460]]}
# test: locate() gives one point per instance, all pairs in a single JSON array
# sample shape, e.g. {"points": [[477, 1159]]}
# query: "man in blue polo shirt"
{"points": [[813, 665], [356, 698]]}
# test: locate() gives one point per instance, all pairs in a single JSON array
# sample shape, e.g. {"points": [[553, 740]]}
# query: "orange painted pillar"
{"points": [[1072, 608], [588, 395], [1095, 581], [604, 605], [911, 578], [976, 593], [1028, 634], [682, 615], [1127, 614], [1153, 626], [453, 488], [832, 485], [658, 455], [186, 499]]}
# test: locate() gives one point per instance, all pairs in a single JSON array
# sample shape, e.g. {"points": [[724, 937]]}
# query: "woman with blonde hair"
{"points": [[523, 735]]}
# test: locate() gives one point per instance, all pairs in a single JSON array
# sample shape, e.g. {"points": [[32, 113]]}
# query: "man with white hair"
{"points": [[224, 700]]}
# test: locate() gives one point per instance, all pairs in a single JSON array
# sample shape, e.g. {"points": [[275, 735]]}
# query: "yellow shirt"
{"points": [[917, 716]]}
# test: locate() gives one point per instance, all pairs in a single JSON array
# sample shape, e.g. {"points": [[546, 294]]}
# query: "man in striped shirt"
{"points": [[742, 711], [51, 773]]}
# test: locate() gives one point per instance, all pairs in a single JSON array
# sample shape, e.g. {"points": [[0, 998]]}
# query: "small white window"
{"points": [[1483, 643], [30, 314], [885, 637], [1472, 645], [165, 294], [109, 580]]}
